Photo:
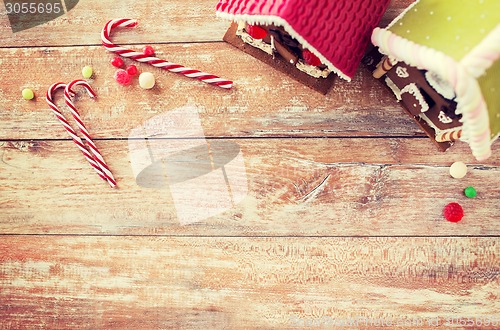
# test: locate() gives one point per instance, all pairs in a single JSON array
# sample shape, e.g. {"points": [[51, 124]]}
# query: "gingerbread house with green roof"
{"points": [[441, 58]]}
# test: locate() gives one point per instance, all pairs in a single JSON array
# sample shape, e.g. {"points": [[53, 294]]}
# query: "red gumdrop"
{"points": [[132, 70], [148, 51], [122, 77], [310, 58], [117, 62], [256, 32], [453, 212]]}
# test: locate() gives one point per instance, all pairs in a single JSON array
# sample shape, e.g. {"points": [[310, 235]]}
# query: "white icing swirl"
{"points": [[484, 54]]}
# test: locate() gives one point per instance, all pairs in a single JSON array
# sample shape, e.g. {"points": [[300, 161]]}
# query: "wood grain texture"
{"points": [[357, 187], [243, 283], [161, 21], [262, 102], [309, 209]]}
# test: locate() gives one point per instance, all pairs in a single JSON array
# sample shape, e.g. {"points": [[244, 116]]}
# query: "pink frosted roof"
{"points": [[337, 31]]}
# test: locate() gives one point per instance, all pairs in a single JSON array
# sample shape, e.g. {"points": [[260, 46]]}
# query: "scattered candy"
{"points": [[310, 58], [453, 212], [28, 94], [156, 62], [149, 51], [458, 170], [470, 192], [147, 80], [132, 70], [117, 62], [87, 72], [256, 32], [122, 77]]}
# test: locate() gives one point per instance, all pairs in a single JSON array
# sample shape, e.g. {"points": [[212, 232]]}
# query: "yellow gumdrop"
{"points": [[28, 94], [87, 72]]}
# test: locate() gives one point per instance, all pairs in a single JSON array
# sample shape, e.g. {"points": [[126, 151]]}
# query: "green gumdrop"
{"points": [[87, 72], [28, 94], [470, 192]]}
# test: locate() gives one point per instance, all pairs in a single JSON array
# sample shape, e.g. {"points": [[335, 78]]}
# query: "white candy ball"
{"points": [[458, 170], [147, 80]]}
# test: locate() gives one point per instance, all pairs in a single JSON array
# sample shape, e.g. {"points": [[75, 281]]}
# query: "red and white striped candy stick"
{"points": [[154, 61], [50, 100], [68, 93]]}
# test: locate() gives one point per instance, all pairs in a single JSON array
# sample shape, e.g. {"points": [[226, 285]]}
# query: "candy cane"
{"points": [[154, 61], [50, 100], [68, 93]]}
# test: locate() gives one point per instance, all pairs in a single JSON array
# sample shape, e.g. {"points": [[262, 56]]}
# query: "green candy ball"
{"points": [[87, 72], [470, 192], [28, 94]]}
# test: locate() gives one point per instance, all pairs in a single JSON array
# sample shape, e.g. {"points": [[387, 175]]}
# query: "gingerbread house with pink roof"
{"points": [[308, 39]]}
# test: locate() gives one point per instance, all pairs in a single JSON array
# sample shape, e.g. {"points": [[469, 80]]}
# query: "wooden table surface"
{"points": [[329, 211]]}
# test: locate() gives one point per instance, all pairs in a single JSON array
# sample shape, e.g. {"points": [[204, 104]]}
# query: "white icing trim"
{"points": [[395, 89], [440, 131], [412, 89], [254, 42], [400, 16], [470, 102], [437, 82], [482, 57], [278, 21], [312, 70], [398, 93]]}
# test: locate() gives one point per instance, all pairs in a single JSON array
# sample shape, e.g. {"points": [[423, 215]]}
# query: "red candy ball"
{"points": [[453, 212], [148, 51], [122, 77], [256, 32], [132, 70], [117, 62], [310, 58]]}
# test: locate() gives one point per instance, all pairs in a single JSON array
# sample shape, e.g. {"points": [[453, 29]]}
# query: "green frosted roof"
{"points": [[453, 27], [491, 94]]}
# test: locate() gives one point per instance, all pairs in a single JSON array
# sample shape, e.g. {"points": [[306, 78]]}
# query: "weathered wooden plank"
{"points": [[340, 186], [267, 187], [246, 283], [262, 103], [160, 22]]}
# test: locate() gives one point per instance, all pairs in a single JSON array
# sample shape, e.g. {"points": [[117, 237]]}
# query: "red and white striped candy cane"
{"points": [[68, 93], [154, 61], [50, 100]]}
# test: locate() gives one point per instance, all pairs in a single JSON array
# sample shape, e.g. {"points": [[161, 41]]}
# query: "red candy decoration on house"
{"points": [[256, 32], [310, 58]]}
